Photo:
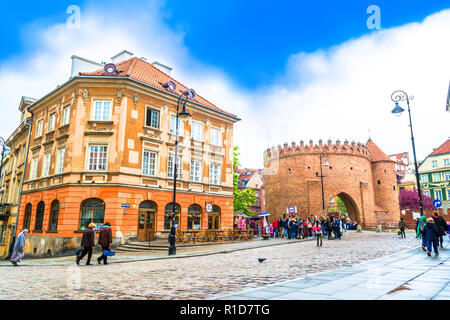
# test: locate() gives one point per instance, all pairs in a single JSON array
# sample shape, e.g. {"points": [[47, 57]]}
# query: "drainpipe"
{"points": [[29, 123]]}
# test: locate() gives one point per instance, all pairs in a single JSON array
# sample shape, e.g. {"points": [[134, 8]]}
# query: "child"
{"points": [[318, 231]]}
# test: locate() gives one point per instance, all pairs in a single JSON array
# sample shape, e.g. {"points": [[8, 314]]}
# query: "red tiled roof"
{"points": [[143, 71], [442, 149], [376, 153]]}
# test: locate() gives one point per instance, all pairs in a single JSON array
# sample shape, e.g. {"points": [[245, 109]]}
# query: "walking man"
{"points": [[105, 241], [442, 227], [431, 232], [87, 242], [420, 232], [402, 226]]}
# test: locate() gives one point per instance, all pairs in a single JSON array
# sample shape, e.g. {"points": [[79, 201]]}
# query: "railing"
{"points": [[199, 236]]}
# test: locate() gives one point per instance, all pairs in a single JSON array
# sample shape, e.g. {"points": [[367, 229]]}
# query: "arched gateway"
{"points": [[362, 176]]}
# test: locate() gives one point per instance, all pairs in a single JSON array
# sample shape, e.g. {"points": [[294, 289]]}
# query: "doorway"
{"points": [[146, 221]]}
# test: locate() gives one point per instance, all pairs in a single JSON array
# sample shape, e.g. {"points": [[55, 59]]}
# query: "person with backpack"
{"points": [[105, 241], [87, 242], [402, 226], [442, 227], [420, 233], [432, 233], [336, 229], [318, 232], [415, 228]]}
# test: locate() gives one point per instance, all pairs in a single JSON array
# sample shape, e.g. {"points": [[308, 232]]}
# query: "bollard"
{"points": [[358, 228], [379, 228]]}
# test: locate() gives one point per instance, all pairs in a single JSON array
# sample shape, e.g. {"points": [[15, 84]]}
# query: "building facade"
{"points": [[253, 178], [434, 174], [362, 176], [102, 149]]}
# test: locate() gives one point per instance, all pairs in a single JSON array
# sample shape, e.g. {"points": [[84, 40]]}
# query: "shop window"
{"points": [[92, 210], [54, 212], [39, 216], [194, 217], [167, 215]]}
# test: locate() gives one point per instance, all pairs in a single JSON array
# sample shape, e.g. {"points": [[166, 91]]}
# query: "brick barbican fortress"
{"points": [[362, 175]]}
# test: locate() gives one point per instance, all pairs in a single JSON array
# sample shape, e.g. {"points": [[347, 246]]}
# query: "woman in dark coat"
{"points": [[105, 241], [87, 242], [431, 233]]}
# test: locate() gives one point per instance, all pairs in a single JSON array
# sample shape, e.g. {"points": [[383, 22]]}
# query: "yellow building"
{"points": [[11, 178]]}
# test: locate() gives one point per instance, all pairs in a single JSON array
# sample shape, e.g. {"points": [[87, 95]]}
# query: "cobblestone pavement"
{"points": [[197, 277]]}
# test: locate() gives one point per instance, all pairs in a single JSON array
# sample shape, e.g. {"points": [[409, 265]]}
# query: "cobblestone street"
{"points": [[197, 277]]}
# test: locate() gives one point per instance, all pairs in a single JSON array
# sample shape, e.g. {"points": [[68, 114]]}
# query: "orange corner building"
{"points": [[102, 149]]}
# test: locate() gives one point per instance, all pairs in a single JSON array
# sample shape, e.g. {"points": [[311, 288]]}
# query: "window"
{"points": [[51, 122], [214, 174], [59, 168], [27, 217], [167, 215], [196, 170], [194, 217], [102, 110], [92, 211], [66, 115], [152, 118], [39, 128], [447, 176], [170, 165], [435, 163], [446, 162], [3, 229], [34, 164], [97, 158], [39, 216], [215, 137], [53, 224], [149, 163], [448, 194], [46, 165], [436, 177], [427, 193], [197, 131], [424, 178], [173, 122], [438, 195]]}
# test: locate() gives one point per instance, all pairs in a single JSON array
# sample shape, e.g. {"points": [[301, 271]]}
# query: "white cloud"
{"points": [[337, 93]]}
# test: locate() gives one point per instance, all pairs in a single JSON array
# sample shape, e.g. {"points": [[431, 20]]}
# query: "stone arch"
{"points": [[350, 204]]}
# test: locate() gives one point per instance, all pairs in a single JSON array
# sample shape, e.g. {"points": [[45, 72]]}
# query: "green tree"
{"points": [[341, 206], [243, 198]]}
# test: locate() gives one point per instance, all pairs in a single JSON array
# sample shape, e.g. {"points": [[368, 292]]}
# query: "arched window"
{"points": [[214, 218], [167, 211], [92, 210], [54, 212], [39, 216], [194, 217], [27, 216]]}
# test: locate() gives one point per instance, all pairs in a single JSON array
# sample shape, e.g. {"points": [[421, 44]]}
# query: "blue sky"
{"points": [[290, 70], [250, 40]]}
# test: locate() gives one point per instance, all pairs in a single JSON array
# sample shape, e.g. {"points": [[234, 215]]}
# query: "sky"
{"points": [[292, 71]]}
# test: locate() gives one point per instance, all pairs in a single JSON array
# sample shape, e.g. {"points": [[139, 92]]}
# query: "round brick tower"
{"points": [[292, 177]]}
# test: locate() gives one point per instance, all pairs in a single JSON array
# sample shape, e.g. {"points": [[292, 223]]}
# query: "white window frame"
{"points": [[59, 167], [195, 170], [214, 177], [156, 163], [446, 162], [40, 125], [34, 166], [434, 163], [52, 122], [197, 136], [424, 178], [436, 192], [179, 166], [213, 138], [65, 115], [427, 193], [180, 125], [434, 175], [102, 114], [447, 177], [46, 165], [151, 113], [97, 159]]}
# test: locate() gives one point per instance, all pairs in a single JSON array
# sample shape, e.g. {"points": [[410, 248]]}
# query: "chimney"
{"points": [[80, 64], [121, 56], [162, 67]]}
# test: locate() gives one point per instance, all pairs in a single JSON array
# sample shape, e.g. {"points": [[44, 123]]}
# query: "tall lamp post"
{"points": [[398, 96], [182, 115], [5, 151], [324, 154]]}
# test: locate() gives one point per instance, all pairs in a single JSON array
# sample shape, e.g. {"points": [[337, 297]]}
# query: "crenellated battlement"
{"points": [[353, 148]]}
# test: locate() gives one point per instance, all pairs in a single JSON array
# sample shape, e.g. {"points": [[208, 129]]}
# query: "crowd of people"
{"points": [[432, 232]]}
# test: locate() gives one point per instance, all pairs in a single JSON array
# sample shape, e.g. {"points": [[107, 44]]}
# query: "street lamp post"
{"points": [[183, 115], [398, 96], [323, 154]]}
